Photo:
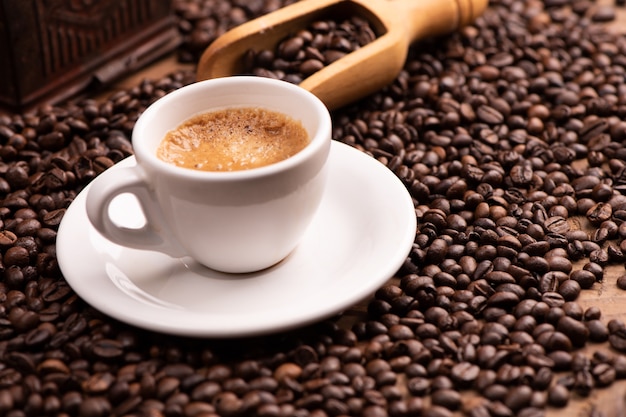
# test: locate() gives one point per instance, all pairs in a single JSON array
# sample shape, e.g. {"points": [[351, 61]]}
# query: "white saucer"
{"points": [[360, 237]]}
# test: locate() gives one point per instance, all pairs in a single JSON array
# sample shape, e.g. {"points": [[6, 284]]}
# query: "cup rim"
{"points": [[320, 139]]}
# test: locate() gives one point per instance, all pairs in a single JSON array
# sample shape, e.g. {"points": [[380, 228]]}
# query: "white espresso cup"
{"points": [[236, 221]]}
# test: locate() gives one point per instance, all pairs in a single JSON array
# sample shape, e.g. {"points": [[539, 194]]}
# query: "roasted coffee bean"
{"points": [[489, 115], [585, 278], [419, 386], [518, 397], [570, 290], [617, 341], [448, 398], [599, 213], [598, 331], [604, 374], [552, 299], [558, 395], [575, 330], [557, 224], [465, 373], [621, 282]]}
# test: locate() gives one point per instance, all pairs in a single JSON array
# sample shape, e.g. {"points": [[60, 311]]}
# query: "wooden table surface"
{"points": [[607, 402]]}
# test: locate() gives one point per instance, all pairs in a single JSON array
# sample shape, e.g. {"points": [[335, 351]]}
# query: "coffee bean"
{"points": [[617, 341], [599, 213], [604, 374], [558, 396], [598, 331], [569, 290], [575, 330], [489, 115], [518, 397], [585, 278], [621, 282], [448, 398]]}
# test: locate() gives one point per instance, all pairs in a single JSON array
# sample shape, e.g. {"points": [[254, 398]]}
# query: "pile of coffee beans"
{"points": [[509, 135], [310, 49]]}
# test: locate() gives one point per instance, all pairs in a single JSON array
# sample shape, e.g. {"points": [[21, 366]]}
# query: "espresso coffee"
{"points": [[233, 139]]}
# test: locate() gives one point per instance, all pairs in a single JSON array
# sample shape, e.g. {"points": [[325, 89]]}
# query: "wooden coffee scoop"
{"points": [[397, 24]]}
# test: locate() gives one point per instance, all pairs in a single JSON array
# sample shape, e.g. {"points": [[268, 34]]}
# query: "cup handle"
{"points": [[153, 235]]}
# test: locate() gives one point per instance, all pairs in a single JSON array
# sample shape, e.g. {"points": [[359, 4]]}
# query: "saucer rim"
{"points": [[390, 266]]}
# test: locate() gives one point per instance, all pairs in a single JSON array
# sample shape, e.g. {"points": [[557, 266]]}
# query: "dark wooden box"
{"points": [[52, 49]]}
